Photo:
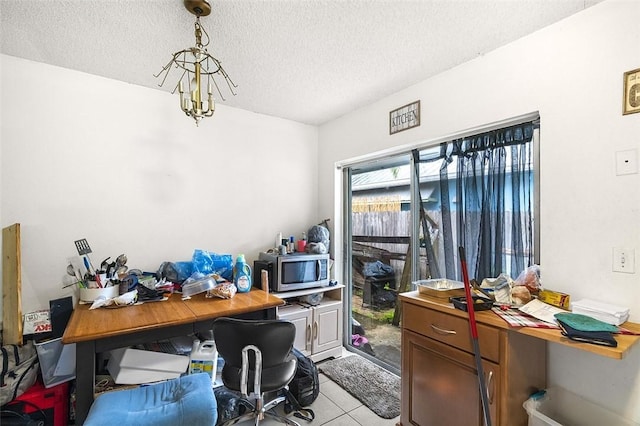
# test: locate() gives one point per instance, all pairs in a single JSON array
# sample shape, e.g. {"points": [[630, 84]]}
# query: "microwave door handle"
{"points": [[318, 269]]}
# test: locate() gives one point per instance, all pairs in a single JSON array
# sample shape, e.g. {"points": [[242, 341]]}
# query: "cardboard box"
{"points": [[134, 366], [36, 322], [554, 298]]}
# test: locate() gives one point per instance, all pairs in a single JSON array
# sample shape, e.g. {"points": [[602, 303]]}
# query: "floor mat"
{"points": [[372, 385]]}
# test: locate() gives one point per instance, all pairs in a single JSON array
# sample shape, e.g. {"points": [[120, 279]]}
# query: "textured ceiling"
{"points": [[305, 60]]}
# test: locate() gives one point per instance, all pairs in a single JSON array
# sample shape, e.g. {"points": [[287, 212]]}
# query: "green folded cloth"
{"points": [[585, 323]]}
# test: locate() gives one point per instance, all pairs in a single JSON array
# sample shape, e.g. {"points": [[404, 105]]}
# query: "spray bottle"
{"points": [[242, 275]]}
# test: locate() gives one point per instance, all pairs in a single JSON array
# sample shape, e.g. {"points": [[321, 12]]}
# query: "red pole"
{"points": [[474, 337]]}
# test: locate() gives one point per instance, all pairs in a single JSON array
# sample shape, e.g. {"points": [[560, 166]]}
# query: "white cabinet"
{"points": [[318, 328]]}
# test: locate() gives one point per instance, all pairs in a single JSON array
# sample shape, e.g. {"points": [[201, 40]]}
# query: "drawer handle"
{"points": [[442, 331], [490, 387], [308, 339]]}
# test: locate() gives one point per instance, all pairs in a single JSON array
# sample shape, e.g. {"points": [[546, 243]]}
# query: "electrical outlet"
{"points": [[624, 260], [626, 162]]}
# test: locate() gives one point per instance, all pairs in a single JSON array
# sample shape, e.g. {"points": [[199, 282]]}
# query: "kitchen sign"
{"points": [[404, 118]]}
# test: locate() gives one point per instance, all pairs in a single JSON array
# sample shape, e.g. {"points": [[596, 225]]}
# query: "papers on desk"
{"points": [[542, 311], [611, 314]]}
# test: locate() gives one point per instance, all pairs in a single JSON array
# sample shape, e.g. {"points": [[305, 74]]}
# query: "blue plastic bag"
{"points": [[208, 263]]}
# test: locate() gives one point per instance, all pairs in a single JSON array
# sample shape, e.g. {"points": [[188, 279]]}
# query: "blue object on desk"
{"points": [[188, 400], [87, 265]]}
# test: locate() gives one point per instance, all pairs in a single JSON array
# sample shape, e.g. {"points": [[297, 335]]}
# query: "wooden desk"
{"points": [[438, 368], [105, 329], [625, 341]]}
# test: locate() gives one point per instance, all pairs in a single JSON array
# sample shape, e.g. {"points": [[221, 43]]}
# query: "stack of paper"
{"points": [[611, 314], [542, 311]]}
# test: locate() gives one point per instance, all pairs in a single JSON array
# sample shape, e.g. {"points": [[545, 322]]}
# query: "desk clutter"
{"points": [[112, 289], [32, 396], [114, 284], [524, 302]]}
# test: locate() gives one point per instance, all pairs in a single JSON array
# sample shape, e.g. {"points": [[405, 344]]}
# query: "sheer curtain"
{"points": [[486, 200]]}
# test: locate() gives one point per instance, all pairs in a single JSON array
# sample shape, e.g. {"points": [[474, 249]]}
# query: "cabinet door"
{"points": [[440, 384], [327, 326], [302, 318]]}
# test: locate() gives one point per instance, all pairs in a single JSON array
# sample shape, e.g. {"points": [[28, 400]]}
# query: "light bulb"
{"points": [[198, 55]]}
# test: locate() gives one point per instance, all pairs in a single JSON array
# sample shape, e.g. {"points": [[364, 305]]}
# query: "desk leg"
{"points": [[85, 379]]}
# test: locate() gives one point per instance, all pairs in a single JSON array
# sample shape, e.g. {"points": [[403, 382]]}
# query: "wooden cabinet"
{"points": [[439, 375], [318, 328]]}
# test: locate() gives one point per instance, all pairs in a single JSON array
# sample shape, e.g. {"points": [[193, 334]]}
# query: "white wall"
{"points": [[123, 167], [571, 73]]}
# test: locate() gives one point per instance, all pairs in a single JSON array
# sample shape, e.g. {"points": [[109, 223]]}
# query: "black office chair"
{"points": [[258, 360]]}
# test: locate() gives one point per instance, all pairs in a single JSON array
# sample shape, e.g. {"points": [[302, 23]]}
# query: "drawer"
{"points": [[451, 329]]}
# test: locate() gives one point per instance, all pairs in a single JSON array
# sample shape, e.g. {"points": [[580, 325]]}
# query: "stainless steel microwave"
{"points": [[294, 271]]}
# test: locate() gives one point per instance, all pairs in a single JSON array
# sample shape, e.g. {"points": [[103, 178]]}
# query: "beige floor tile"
{"points": [[364, 416], [339, 396], [344, 420], [323, 378], [325, 410]]}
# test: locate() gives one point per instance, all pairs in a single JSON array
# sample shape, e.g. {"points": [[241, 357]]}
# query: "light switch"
{"points": [[626, 162], [624, 260]]}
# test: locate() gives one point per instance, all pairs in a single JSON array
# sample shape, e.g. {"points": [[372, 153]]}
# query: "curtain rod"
{"points": [[533, 117]]}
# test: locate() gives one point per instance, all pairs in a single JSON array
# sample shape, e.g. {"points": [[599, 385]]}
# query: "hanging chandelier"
{"points": [[198, 70]]}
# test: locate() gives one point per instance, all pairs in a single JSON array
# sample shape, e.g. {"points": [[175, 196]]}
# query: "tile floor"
{"points": [[336, 407]]}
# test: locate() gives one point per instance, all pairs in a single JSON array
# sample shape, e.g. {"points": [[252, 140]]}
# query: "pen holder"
{"points": [[91, 294]]}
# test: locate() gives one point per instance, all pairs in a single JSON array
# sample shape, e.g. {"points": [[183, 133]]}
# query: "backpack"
{"points": [[19, 371], [230, 405], [304, 388]]}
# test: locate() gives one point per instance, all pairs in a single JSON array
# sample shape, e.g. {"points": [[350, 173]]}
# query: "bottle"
{"points": [[242, 275], [302, 244], [278, 239], [203, 358], [290, 246]]}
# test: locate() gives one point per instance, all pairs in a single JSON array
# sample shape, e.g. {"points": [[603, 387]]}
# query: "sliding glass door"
{"points": [[379, 223], [406, 215]]}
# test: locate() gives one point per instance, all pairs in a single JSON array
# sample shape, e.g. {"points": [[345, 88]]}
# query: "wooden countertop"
{"points": [[551, 335], [86, 325], [207, 308]]}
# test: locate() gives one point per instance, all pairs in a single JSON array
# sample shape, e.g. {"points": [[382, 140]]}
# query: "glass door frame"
{"points": [[343, 199]]}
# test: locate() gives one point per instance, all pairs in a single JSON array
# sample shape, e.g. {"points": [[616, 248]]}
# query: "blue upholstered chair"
{"points": [[188, 400]]}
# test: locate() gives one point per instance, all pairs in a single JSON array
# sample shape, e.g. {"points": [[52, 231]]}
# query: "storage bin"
{"points": [[559, 407], [133, 366], [57, 361], [39, 404]]}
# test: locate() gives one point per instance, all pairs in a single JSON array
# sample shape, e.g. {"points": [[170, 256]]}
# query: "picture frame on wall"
{"points": [[404, 118], [631, 96]]}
